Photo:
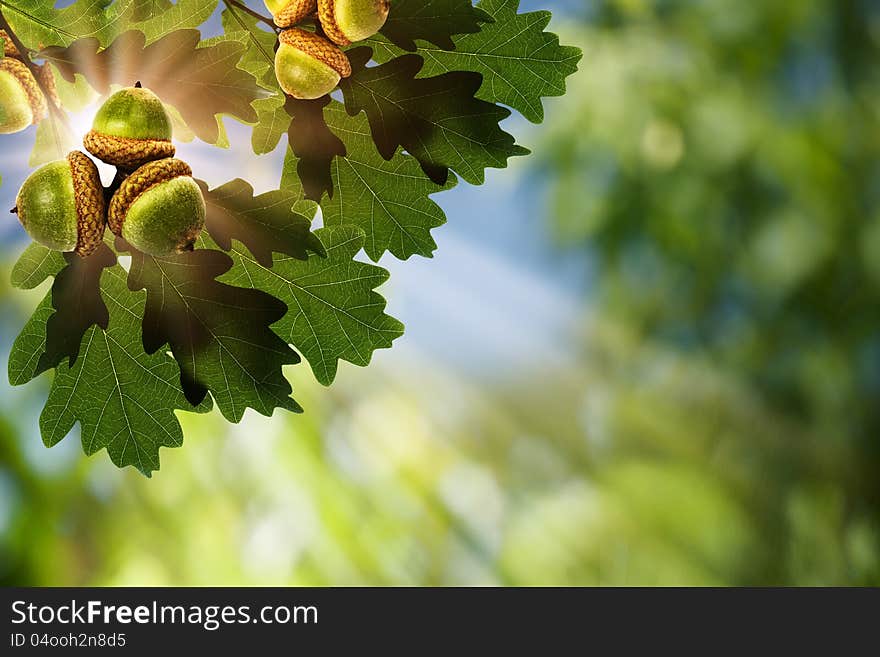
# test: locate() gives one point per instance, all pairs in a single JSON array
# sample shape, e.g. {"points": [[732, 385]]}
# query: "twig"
{"points": [[54, 110], [248, 10]]}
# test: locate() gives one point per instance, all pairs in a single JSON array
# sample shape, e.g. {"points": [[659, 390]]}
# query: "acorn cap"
{"points": [[9, 48], [124, 152], [317, 47], [91, 206], [370, 14], [293, 11], [23, 75]]}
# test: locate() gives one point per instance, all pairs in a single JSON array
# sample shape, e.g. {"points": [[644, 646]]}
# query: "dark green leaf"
{"points": [[219, 334], [519, 61], [314, 145], [78, 305], [264, 223], [123, 398], [334, 312], [435, 21], [437, 120], [388, 199]]}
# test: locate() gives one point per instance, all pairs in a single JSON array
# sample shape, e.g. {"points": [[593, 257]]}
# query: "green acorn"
{"points": [[131, 129], [159, 209], [348, 21], [307, 65], [61, 205], [21, 102]]}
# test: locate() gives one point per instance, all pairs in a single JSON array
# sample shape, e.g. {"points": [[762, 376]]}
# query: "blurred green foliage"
{"points": [[634, 466], [717, 423], [720, 161]]}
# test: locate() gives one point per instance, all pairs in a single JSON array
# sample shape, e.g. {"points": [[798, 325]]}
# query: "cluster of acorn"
{"points": [[157, 207], [22, 102], [308, 65]]}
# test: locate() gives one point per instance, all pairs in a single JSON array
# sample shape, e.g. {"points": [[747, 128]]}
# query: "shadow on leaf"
{"points": [[264, 224], [76, 298], [220, 335], [435, 21], [437, 120], [314, 144]]}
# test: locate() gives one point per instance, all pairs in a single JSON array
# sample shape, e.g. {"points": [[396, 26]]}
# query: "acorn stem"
{"points": [[14, 210]]}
